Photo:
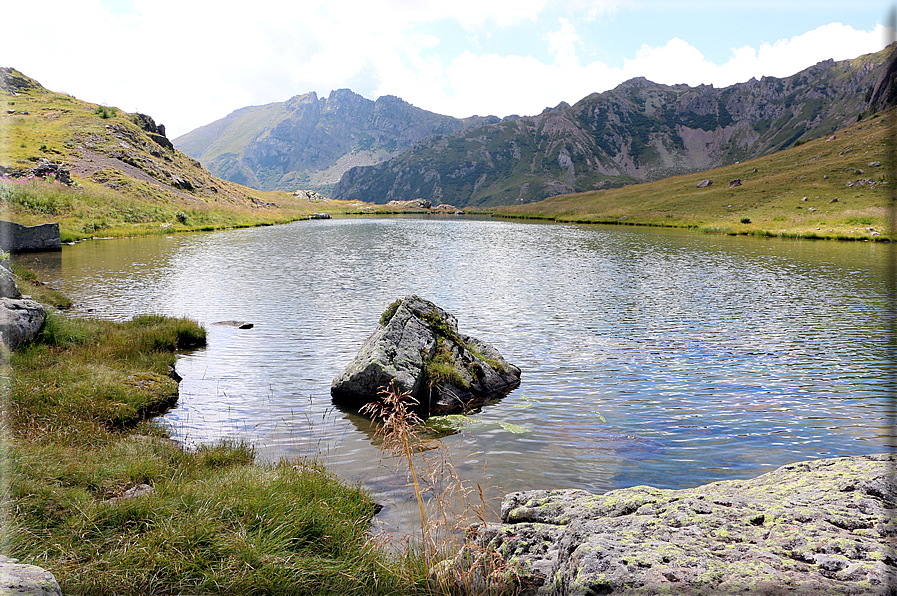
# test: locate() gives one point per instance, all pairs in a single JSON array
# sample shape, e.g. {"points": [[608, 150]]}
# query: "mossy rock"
{"points": [[419, 347]]}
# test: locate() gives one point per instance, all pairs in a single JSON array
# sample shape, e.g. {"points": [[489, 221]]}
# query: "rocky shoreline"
{"points": [[824, 526]]}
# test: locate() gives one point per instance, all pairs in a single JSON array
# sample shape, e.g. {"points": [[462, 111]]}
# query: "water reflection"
{"points": [[649, 356]]}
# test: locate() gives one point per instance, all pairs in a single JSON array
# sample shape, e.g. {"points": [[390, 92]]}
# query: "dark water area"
{"points": [[649, 356]]}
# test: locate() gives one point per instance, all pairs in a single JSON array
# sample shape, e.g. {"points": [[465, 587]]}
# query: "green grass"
{"points": [[770, 201], [441, 369], [390, 312], [79, 433], [132, 209]]}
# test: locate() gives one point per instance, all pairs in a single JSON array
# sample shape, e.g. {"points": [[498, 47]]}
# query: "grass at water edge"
{"points": [[79, 435]]}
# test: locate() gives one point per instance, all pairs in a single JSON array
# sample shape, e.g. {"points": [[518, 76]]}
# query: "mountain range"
{"points": [[309, 142], [377, 151]]}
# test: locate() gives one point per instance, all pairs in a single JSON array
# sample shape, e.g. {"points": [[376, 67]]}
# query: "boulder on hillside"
{"points": [[412, 204], [310, 195], [418, 345], [825, 526], [705, 183]]}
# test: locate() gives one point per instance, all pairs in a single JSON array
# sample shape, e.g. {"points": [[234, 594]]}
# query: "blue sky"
{"points": [[190, 62]]}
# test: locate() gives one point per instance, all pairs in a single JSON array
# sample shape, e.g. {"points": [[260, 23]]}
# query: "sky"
{"points": [[187, 63]]}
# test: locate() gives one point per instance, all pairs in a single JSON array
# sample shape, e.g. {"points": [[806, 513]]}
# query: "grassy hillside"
{"points": [[800, 192], [127, 180]]}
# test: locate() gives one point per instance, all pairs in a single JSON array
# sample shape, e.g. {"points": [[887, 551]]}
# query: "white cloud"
{"points": [[189, 62], [562, 44], [680, 62]]}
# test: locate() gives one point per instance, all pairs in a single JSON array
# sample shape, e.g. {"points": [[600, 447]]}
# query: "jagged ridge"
{"points": [[636, 132]]}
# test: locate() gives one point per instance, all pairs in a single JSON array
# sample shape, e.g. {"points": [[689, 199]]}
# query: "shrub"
{"points": [[106, 112], [745, 220]]}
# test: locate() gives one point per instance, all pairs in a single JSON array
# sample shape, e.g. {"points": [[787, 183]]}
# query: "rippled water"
{"points": [[649, 356]]}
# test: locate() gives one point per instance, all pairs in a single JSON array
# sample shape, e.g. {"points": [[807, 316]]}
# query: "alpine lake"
{"points": [[649, 356]]}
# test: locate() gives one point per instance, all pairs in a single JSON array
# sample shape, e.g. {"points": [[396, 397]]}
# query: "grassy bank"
{"points": [[93, 210], [801, 192], [79, 440]]}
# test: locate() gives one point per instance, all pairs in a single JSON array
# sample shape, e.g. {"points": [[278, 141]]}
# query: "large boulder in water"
{"points": [[417, 344]]}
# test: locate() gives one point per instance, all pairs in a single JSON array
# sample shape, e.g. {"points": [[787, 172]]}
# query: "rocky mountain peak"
{"points": [[12, 81], [309, 142]]}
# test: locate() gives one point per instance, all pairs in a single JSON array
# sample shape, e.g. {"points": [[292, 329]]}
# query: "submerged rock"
{"points": [[235, 324], [820, 527], [418, 345]]}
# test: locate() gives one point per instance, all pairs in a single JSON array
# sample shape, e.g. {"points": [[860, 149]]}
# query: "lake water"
{"points": [[649, 356]]}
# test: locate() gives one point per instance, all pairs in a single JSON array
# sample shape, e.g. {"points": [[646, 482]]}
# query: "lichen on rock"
{"points": [[820, 527], [417, 344]]}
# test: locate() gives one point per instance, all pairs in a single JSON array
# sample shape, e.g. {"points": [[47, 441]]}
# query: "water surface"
{"points": [[649, 356]]}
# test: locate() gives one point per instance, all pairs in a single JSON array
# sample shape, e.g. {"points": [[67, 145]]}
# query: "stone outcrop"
{"points": [[20, 321], [19, 579], [154, 131], [446, 208], [418, 345], [412, 204], [310, 195], [44, 169], [20, 317], [819, 527], [18, 238]]}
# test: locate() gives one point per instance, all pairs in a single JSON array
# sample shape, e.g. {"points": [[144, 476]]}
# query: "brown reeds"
{"points": [[447, 505]]}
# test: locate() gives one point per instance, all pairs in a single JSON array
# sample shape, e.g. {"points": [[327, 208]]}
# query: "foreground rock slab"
{"points": [[818, 527], [417, 345], [18, 579]]}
